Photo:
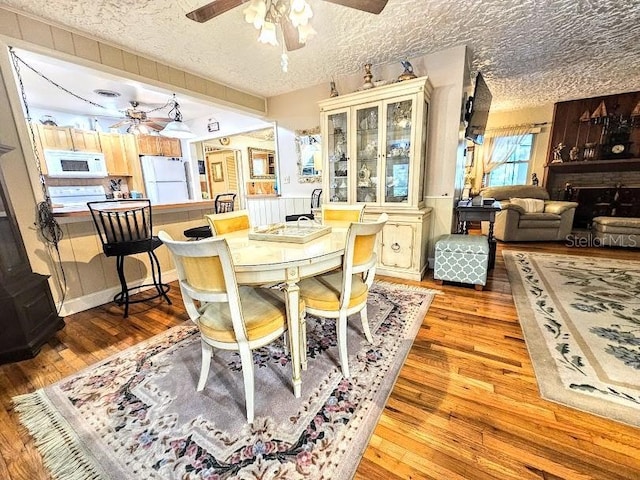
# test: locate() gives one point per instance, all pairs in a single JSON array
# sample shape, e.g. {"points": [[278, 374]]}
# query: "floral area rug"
{"points": [[581, 321], [137, 414]]}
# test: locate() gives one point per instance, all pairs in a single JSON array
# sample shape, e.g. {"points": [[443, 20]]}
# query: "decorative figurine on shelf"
{"points": [[408, 71], [574, 154], [589, 151], [557, 153], [334, 91], [534, 179], [368, 77], [568, 192], [364, 176]]}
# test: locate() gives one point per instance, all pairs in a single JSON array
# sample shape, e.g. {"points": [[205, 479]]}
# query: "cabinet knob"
{"points": [[395, 247]]}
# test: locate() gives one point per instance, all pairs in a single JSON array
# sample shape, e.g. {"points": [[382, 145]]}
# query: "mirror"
{"points": [[249, 162], [309, 155], [262, 163]]}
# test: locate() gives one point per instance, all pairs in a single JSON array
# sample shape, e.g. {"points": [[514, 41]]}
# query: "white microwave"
{"points": [[71, 164]]}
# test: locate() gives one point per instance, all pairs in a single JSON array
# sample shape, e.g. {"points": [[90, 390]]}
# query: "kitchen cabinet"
{"points": [[115, 155], [170, 147], [85, 140], [158, 145], [374, 152], [66, 138], [29, 316]]}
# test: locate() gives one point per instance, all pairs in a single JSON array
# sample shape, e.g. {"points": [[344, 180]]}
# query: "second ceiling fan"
{"points": [[278, 12]]}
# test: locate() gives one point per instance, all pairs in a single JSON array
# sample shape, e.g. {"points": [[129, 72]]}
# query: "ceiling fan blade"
{"points": [[371, 6], [158, 119], [290, 33], [213, 9], [154, 125], [119, 124]]}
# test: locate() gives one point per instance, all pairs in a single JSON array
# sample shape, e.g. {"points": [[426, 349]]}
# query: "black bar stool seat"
{"points": [[224, 202]]}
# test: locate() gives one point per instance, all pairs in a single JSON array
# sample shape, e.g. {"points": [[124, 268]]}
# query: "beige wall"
{"points": [[295, 111]]}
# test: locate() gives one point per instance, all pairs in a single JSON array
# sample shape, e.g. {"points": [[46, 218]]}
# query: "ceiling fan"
{"points": [[278, 10], [136, 117]]}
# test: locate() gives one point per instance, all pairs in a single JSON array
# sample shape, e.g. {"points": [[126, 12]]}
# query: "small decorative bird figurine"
{"points": [[408, 71]]}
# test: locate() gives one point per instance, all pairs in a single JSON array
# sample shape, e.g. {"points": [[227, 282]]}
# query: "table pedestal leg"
{"points": [[292, 296]]}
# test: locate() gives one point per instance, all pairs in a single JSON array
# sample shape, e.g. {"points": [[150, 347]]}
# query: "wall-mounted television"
{"points": [[477, 111]]}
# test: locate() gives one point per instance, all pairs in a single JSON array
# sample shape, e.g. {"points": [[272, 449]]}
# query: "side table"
{"points": [[483, 213]]}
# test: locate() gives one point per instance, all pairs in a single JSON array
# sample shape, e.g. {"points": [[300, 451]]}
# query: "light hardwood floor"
{"points": [[465, 406]]}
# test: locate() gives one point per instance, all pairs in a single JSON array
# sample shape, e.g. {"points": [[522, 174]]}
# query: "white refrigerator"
{"points": [[165, 179]]}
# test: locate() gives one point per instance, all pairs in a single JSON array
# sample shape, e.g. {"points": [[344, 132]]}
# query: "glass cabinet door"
{"points": [[367, 156], [337, 149], [398, 150]]}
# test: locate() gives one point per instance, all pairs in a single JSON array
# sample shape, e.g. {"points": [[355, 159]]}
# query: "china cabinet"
{"points": [[375, 153], [29, 316]]}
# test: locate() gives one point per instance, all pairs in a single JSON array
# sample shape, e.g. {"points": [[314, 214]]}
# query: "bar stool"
{"points": [[224, 202], [315, 203], [125, 228]]}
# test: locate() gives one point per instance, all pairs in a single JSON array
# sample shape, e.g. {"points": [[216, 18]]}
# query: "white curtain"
{"points": [[499, 145]]}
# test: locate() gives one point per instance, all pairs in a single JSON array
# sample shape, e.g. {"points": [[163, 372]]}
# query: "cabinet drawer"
{"points": [[398, 241]]}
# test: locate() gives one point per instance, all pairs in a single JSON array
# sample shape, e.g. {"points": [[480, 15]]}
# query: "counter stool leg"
{"points": [[122, 297], [156, 273]]}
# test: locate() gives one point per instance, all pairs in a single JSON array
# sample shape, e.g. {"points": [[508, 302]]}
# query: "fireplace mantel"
{"points": [[618, 165]]}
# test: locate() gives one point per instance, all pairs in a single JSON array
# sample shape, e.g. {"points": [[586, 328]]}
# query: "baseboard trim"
{"points": [[80, 304]]}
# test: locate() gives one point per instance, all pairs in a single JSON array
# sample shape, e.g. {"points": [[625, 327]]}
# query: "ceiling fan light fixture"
{"points": [[305, 32], [139, 129], [255, 13], [300, 13], [268, 34]]}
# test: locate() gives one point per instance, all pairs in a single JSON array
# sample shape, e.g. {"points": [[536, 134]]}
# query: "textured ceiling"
{"points": [[531, 52]]}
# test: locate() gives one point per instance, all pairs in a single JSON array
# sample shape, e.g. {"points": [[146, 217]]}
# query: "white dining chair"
{"points": [[229, 317], [343, 292], [228, 222]]}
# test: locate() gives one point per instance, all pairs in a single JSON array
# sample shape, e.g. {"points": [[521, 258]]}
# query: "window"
{"points": [[514, 170]]}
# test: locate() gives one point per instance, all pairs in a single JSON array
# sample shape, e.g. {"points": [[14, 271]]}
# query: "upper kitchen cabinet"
{"points": [[120, 153], [158, 145], [66, 138], [375, 153]]}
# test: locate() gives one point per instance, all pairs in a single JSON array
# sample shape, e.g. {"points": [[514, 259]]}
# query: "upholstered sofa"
{"points": [[528, 215]]}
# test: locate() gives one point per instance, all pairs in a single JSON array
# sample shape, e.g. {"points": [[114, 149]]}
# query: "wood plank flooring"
{"points": [[465, 406]]}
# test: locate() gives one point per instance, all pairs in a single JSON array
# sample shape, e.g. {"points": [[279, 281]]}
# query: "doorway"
{"points": [[222, 173]]}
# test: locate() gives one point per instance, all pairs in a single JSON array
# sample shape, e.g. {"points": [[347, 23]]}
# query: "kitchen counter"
{"points": [[79, 214]]}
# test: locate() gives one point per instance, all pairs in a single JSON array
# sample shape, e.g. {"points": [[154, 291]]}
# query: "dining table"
{"points": [[267, 262]]}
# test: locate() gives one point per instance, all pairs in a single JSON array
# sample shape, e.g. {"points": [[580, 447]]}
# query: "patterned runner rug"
{"points": [[581, 321], [137, 415]]}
